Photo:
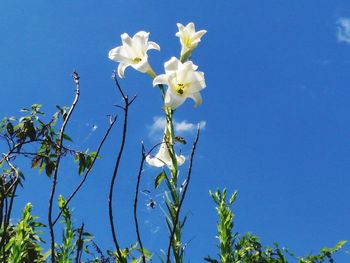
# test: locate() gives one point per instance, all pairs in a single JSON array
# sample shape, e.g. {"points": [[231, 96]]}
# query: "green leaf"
{"points": [[159, 179], [82, 163], [66, 137], [30, 130], [340, 244], [233, 197], [9, 128], [49, 167], [35, 161]]}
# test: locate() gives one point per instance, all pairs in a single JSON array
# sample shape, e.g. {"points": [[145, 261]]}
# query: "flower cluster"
{"points": [[181, 77]]}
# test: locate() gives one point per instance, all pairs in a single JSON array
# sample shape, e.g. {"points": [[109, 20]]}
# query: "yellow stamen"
{"points": [[137, 60], [180, 89]]}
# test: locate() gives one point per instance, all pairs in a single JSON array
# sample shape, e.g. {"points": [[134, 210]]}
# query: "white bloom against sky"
{"points": [[183, 82], [163, 158], [343, 33], [133, 53], [189, 38]]}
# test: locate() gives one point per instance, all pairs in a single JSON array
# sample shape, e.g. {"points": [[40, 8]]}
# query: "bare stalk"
{"points": [[54, 178], [135, 202], [125, 108]]}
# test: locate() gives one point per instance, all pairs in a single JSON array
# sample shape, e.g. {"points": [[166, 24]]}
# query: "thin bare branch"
{"points": [[114, 76], [116, 167], [143, 154], [54, 178]]}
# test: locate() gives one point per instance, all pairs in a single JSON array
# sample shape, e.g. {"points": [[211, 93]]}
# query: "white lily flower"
{"points": [[163, 158], [183, 82], [133, 53], [189, 38]]}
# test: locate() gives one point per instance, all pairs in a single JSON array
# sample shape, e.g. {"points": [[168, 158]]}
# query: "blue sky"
{"points": [[276, 112]]}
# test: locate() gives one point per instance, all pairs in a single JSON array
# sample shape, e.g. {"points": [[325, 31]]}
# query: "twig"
{"points": [[113, 120], [54, 179], [183, 194], [116, 167]]}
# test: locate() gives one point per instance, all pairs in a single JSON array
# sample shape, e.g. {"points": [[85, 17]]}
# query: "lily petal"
{"points": [[160, 79], [172, 100], [121, 69], [196, 81], [119, 54], [180, 27], [153, 45], [199, 34], [171, 65], [126, 40], [163, 158], [190, 27], [154, 161], [197, 97]]}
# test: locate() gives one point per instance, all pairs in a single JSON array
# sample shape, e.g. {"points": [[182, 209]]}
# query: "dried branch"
{"points": [[54, 179], [117, 163], [183, 194], [111, 124], [136, 199]]}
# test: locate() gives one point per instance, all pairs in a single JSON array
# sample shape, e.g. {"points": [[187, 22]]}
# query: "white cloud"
{"points": [[184, 126], [157, 127], [343, 33]]}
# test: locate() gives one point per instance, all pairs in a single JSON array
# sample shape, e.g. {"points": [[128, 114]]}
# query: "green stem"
{"points": [[184, 57], [169, 138], [172, 185]]}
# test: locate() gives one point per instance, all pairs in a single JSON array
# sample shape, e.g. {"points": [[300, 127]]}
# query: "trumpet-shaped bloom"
{"points": [[189, 38], [163, 158], [133, 53], [183, 82]]}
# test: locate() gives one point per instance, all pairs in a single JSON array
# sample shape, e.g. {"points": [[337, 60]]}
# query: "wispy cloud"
{"points": [[184, 126], [157, 127], [343, 30]]}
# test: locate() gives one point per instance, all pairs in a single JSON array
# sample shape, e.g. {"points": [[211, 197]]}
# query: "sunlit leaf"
{"points": [[160, 177]]}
